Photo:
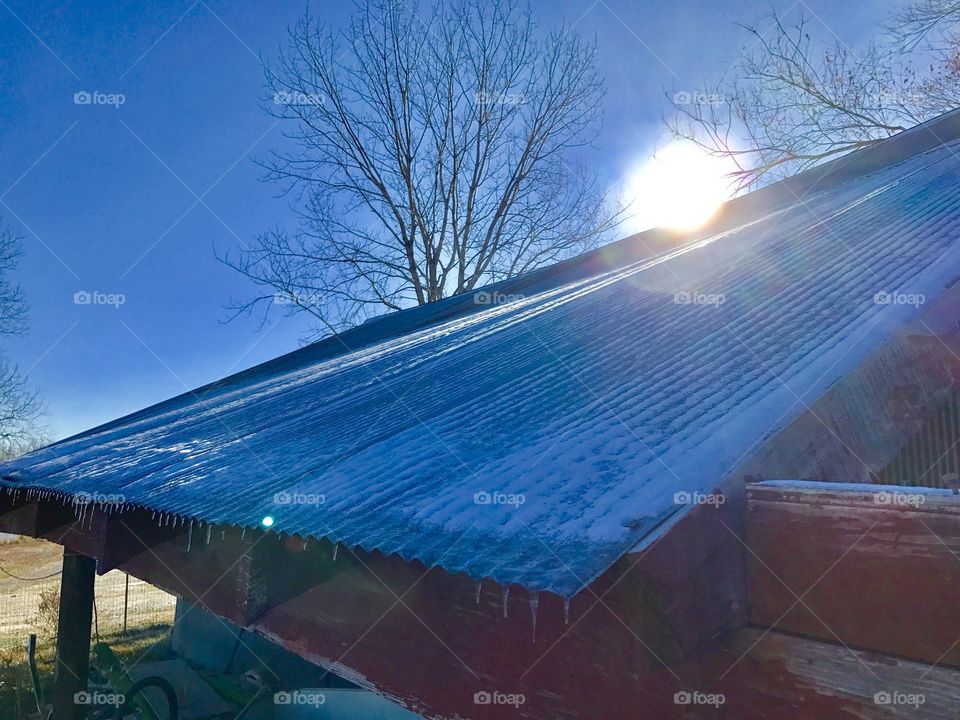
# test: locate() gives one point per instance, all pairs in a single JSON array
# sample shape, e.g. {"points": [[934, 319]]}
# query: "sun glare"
{"points": [[679, 188]]}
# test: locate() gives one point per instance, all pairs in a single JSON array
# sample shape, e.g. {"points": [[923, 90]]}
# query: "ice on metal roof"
{"points": [[537, 438]]}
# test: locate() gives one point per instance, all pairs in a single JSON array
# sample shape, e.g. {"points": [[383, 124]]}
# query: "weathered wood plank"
{"points": [[73, 635], [773, 676], [868, 570]]}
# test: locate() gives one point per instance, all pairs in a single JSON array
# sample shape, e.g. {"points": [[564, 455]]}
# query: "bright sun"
{"points": [[679, 188]]}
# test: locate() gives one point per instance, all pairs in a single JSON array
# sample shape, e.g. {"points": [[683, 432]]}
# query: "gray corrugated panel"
{"points": [[929, 458], [585, 406]]}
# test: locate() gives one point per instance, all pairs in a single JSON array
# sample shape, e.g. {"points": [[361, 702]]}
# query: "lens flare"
{"points": [[679, 188]]}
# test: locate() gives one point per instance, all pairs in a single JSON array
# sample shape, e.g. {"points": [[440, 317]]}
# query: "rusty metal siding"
{"points": [[932, 457]]}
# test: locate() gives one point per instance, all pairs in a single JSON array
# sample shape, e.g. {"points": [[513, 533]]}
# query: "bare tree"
{"points": [[19, 407], [430, 151], [791, 101], [928, 23]]}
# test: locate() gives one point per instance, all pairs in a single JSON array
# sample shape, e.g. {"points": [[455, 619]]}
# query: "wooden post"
{"points": [[73, 635], [126, 600]]}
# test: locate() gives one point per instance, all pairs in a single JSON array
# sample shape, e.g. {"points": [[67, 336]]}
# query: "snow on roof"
{"points": [[819, 486], [537, 438]]}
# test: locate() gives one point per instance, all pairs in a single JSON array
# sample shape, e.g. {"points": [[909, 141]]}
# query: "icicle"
{"points": [[336, 548], [534, 603], [209, 530], [479, 588], [189, 536], [305, 545], [566, 611], [243, 533], [506, 596], [223, 533]]}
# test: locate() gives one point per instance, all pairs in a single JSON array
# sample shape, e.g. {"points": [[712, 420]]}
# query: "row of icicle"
{"points": [[534, 604], [84, 511]]}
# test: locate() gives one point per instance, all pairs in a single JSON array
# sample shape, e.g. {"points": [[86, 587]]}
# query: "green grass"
{"points": [[145, 644]]}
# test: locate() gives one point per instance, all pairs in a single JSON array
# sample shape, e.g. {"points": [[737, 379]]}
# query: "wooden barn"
{"points": [[701, 476]]}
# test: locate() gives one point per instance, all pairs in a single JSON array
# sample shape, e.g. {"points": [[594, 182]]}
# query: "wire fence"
{"points": [[30, 597]]}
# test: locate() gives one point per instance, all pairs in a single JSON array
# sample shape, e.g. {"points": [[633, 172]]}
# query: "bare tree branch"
{"points": [[792, 102], [432, 153], [20, 408]]}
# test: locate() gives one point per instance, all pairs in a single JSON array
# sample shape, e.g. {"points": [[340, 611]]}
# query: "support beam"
{"points": [[73, 634], [21, 516]]}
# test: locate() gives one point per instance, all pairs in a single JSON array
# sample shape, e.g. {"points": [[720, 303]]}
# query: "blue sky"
{"points": [[132, 199]]}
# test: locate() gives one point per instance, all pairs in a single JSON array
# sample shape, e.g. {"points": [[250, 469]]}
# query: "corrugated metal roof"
{"points": [[536, 440]]}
